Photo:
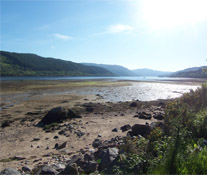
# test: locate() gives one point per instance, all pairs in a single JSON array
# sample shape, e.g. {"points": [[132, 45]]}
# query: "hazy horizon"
{"points": [[165, 35]]}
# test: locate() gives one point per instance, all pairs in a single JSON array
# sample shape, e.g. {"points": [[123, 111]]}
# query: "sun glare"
{"points": [[160, 14]]}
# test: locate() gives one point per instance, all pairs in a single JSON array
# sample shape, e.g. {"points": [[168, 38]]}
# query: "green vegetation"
{"points": [[16, 64], [180, 147]]}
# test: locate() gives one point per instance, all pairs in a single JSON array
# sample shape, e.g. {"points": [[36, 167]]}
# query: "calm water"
{"points": [[143, 91], [154, 88], [141, 78]]}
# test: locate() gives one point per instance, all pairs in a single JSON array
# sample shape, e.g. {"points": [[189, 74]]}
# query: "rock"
{"points": [[115, 130], [9, 171], [19, 158], [145, 115], [56, 145], [5, 123], [96, 143], [26, 169], [88, 157], [79, 133], [154, 125], [63, 145], [108, 157], [55, 137], [159, 116], [75, 159], [138, 129], [125, 128], [57, 115], [90, 166], [46, 170], [70, 169], [58, 167], [61, 132], [133, 104], [89, 109], [36, 139]]}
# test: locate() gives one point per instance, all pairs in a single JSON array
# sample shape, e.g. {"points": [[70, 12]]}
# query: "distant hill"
{"points": [[115, 69], [194, 72], [22, 64], [149, 72]]}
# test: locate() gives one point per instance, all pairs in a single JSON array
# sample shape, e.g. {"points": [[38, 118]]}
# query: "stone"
{"points": [[71, 169], [108, 157], [90, 166], [154, 125], [5, 123], [46, 170], [89, 109], [125, 128], [96, 143], [145, 115], [138, 129], [36, 139], [75, 159], [79, 133], [57, 115], [63, 145], [9, 171], [115, 130], [159, 116], [58, 167], [26, 169], [133, 104], [55, 137]]}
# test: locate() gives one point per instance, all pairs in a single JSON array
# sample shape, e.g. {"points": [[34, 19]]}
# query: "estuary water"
{"points": [[136, 88], [140, 78]]}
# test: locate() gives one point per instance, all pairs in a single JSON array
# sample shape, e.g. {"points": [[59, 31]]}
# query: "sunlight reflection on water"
{"points": [[137, 91]]}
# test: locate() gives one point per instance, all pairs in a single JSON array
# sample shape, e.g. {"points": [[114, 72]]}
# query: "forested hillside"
{"points": [[19, 64]]}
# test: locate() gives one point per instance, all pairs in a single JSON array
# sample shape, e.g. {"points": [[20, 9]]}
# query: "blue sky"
{"points": [[166, 35]]}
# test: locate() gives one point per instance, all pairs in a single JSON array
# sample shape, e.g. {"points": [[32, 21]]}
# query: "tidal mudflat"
{"points": [[104, 105]]}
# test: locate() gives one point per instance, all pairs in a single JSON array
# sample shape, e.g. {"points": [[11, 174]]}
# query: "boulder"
{"points": [[6, 123], [138, 129], [57, 115], [46, 170], [108, 156], [9, 171], [125, 128]]}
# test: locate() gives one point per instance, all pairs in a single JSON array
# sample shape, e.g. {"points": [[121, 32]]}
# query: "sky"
{"points": [[167, 35]]}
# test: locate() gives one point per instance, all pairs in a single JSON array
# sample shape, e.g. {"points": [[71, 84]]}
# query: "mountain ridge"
{"points": [[115, 69], [26, 64]]}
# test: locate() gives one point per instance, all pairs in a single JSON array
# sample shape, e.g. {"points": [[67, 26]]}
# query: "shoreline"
{"points": [[98, 123]]}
